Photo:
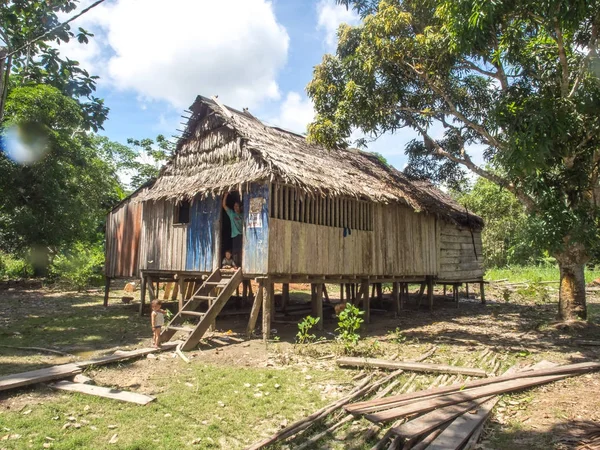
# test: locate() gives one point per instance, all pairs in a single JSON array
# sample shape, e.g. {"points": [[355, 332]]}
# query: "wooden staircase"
{"points": [[227, 282]]}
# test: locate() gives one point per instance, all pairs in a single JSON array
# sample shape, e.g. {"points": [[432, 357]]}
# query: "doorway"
{"points": [[227, 242]]}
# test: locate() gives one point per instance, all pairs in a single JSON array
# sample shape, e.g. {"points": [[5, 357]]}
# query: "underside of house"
{"points": [[310, 215]]}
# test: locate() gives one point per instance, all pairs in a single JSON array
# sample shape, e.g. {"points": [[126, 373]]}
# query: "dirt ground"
{"points": [[520, 330]]}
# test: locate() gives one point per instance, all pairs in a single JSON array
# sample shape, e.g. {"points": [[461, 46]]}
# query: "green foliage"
{"points": [[349, 322], [509, 236], [13, 268], [397, 336], [158, 151], [80, 266], [303, 336], [40, 62]]}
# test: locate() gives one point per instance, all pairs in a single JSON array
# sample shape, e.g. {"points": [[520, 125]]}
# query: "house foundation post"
{"points": [[106, 290], [142, 294], [285, 296], [396, 297], [482, 291], [255, 310], [318, 304], [267, 309], [430, 291], [366, 300]]}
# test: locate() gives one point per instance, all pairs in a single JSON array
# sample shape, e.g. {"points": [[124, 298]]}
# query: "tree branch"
{"points": [[592, 52], [562, 56], [469, 164], [476, 68], [56, 28]]}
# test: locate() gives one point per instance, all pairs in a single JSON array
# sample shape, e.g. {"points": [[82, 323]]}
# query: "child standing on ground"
{"points": [[157, 319]]}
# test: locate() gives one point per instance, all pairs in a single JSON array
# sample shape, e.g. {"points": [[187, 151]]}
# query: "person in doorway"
{"points": [[157, 319], [237, 224], [228, 262]]}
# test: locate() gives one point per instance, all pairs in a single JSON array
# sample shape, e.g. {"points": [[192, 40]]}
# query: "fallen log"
{"points": [[99, 391], [398, 400], [416, 367], [38, 376], [122, 356], [459, 397]]}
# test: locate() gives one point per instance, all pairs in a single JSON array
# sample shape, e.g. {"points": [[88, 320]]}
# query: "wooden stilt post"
{"points": [[244, 292], [430, 292], [106, 290], [285, 296], [255, 310], [379, 289], [403, 294], [142, 295], [267, 309], [151, 293], [181, 294], [348, 293], [455, 293], [342, 293], [444, 289], [373, 290], [325, 293], [482, 291], [396, 297], [318, 304], [467, 289], [421, 291], [366, 300]]}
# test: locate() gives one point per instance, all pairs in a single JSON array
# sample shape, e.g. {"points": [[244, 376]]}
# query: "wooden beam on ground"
{"points": [[255, 310], [459, 397], [100, 391], [412, 429], [459, 431], [416, 367], [106, 291], [267, 309], [122, 356], [38, 376]]}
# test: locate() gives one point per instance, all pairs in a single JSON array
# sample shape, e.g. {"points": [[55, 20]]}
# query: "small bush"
{"points": [[349, 322], [303, 336], [13, 268], [79, 267]]}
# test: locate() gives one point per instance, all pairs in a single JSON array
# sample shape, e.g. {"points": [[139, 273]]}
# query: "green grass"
{"points": [[206, 404], [518, 274]]}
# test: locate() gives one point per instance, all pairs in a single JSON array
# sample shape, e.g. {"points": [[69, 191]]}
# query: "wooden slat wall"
{"points": [[402, 243], [123, 229], [256, 240], [163, 246], [459, 259]]}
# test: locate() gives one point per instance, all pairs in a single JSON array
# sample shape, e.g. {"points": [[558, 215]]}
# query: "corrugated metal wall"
{"points": [[123, 230], [256, 230], [203, 235]]}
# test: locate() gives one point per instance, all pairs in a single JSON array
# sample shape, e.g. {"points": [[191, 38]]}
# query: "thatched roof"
{"points": [[246, 151]]}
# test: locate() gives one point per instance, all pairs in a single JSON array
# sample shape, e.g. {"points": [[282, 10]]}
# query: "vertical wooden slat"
{"points": [[297, 202], [275, 211], [280, 200]]}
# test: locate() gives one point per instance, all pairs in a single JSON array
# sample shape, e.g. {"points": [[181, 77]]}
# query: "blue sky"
{"points": [[154, 56]]}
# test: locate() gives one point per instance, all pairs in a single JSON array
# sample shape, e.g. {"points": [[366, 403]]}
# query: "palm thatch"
{"points": [[224, 149]]}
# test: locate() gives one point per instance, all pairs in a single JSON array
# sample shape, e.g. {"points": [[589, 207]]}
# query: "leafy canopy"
{"points": [[518, 81]]}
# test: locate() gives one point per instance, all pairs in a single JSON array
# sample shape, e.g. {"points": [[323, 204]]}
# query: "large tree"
{"points": [[519, 80]]}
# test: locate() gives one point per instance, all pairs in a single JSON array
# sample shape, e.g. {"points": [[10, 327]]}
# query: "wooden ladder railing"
{"points": [[227, 282]]}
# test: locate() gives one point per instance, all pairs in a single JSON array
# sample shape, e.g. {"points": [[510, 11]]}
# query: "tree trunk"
{"points": [[571, 300]]}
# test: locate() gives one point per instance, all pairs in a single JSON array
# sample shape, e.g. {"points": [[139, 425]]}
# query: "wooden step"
{"points": [[204, 297], [217, 283], [192, 313], [184, 329]]}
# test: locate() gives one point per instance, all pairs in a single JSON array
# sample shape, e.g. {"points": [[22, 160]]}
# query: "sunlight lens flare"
{"points": [[25, 143]]}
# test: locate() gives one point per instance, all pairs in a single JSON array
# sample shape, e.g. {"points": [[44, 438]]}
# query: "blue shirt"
{"points": [[237, 222]]}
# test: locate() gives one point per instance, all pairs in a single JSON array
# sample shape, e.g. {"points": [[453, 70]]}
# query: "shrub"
{"points": [[349, 322], [12, 267], [80, 266], [304, 327]]}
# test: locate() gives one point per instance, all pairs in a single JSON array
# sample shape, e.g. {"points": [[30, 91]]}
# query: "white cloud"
{"points": [[295, 113], [330, 17], [175, 50]]}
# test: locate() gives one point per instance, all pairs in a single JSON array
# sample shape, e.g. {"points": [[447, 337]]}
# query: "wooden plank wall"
{"points": [[123, 230], [394, 241], [459, 258], [163, 245], [256, 238]]}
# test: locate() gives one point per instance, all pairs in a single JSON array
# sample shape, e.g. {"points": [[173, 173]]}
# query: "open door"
{"points": [[227, 241]]}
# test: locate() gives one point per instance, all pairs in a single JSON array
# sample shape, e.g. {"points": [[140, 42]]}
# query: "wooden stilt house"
{"points": [[310, 214]]}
